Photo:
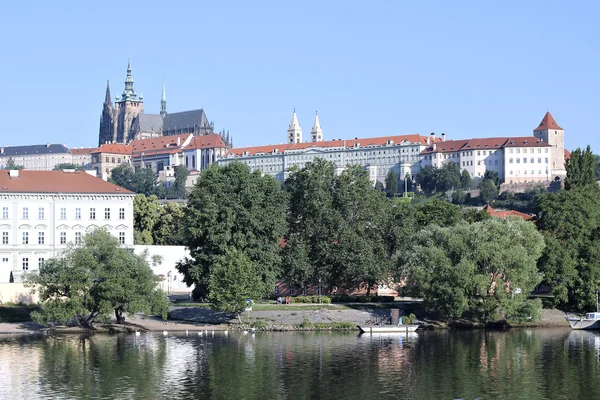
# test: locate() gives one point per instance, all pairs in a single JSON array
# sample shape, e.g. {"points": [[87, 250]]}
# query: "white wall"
{"points": [[170, 256]]}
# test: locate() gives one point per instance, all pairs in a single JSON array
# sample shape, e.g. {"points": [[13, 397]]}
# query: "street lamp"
{"points": [[169, 282], [319, 290]]}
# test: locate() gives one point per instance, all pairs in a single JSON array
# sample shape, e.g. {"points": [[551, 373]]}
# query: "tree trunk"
{"points": [[88, 321], [119, 315]]}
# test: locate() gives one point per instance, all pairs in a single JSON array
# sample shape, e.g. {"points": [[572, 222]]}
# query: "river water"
{"points": [[518, 364]]}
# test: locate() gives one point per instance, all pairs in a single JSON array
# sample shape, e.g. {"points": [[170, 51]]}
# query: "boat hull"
{"points": [[584, 324], [387, 328]]}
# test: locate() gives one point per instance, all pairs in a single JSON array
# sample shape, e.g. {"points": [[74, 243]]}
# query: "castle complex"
{"points": [[126, 121]]}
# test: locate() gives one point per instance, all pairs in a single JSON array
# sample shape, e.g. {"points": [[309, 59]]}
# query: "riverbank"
{"points": [[292, 317]]}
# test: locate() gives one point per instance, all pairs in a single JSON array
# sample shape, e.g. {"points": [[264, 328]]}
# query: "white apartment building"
{"points": [[42, 211]]}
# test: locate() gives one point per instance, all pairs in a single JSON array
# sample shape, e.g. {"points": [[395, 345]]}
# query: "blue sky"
{"points": [[467, 68]]}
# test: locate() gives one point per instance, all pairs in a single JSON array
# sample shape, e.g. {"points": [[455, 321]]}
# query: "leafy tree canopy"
{"points": [[433, 179], [465, 180], [233, 208], [580, 169], [91, 281], [140, 181], [488, 190], [145, 217], [391, 183], [493, 176], [10, 164], [62, 166]]}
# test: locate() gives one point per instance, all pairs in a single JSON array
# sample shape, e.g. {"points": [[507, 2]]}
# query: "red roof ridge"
{"points": [[548, 122]]}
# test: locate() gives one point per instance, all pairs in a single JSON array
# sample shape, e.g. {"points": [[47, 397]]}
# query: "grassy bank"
{"points": [[16, 312]]}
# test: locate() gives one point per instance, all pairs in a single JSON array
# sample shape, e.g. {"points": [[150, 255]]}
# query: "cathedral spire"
{"points": [[107, 99], [294, 130], [129, 93], [163, 101]]}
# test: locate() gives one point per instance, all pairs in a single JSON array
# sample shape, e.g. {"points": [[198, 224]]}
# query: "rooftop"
{"points": [[113, 148], [548, 122], [25, 181], [15, 151]]}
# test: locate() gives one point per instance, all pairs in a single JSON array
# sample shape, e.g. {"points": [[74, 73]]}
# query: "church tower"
{"points": [[294, 130], [127, 108], [107, 131], [316, 134], [550, 132]]}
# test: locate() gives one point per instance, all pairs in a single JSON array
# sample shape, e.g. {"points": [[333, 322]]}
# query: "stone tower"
{"points": [[107, 128], [127, 108], [294, 130], [316, 134], [550, 132]]}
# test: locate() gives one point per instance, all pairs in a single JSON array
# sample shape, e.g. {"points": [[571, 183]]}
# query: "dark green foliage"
{"points": [[459, 197], [493, 176], [336, 227], [93, 280], [62, 166], [361, 299], [310, 299], [177, 190], [465, 180], [570, 221], [474, 215], [379, 187], [580, 169], [233, 212], [488, 190], [433, 179], [141, 181], [437, 212], [391, 183], [474, 269]]}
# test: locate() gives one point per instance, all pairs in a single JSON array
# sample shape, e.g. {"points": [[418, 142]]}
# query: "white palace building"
{"points": [[43, 211], [520, 159]]}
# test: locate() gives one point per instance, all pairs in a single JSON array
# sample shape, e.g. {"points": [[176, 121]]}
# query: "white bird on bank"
{"points": [[186, 332], [226, 332], [245, 332], [165, 333], [199, 333], [137, 333]]}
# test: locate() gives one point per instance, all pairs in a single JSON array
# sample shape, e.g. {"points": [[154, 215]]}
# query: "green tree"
{"points": [[493, 176], [427, 178], [168, 227], [336, 228], [448, 177], [10, 165], [90, 281], [580, 169], [234, 279], [459, 197], [379, 187], [488, 191], [437, 212], [233, 208], [485, 269], [391, 183], [570, 222], [144, 182], [145, 217], [123, 176], [465, 180], [62, 166], [178, 189]]}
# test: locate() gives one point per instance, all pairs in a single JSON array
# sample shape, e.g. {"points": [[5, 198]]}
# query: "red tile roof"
{"points": [[548, 122], [205, 142], [56, 182], [450, 146], [567, 154], [113, 148], [505, 214], [82, 151], [159, 144], [377, 141]]}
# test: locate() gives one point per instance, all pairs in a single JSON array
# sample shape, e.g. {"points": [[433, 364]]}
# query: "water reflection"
{"points": [[533, 364]]}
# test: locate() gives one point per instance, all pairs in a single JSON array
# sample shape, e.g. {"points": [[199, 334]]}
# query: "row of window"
{"points": [[531, 172], [63, 213], [531, 160], [539, 150], [62, 237]]}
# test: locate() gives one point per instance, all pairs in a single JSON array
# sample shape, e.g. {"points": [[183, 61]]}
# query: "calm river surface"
{"points": [[518, 364]]}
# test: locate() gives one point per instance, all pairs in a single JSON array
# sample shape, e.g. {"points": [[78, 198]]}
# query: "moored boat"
{"points": [[386, 328], [591, 321]]}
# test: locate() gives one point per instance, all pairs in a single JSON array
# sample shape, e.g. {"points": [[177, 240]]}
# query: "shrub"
{"points": [[361, 299], [259, 324], [310, 299], [409, 319]]}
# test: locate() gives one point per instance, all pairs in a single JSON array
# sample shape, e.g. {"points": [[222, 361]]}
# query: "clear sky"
{"points": [[375, 68]]}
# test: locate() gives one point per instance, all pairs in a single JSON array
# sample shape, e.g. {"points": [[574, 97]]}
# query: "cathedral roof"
{"points": [[205, 142], [185, 119], [148, 123], [13, 151]]}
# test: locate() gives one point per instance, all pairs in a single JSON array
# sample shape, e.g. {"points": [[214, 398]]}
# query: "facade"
{"points": [[39, 157], [377, 155], [108, 157], [83, 156], [43, 211], [523, 159], [126, 121]]}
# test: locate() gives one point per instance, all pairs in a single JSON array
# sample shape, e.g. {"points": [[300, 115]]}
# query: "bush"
{"points": [[409, 319], [361, 299], [310, 299]]}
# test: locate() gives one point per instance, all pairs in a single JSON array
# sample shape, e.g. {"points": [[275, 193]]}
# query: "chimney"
{"points": [[434, 147], [443, 137], [428, 141], [47, 144], [178, 141], [432, 136], [13, 173]]}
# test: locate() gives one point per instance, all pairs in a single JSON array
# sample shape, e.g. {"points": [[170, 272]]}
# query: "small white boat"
{"points": [[591, 321], [386, 328]]}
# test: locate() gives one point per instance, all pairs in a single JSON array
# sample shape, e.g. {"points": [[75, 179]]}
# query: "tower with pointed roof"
{"points": [[316, 134], [550, 132], [294, 130], [163, 101], [107, 127], [127, 109]]}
